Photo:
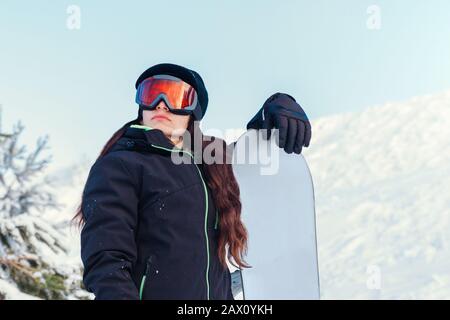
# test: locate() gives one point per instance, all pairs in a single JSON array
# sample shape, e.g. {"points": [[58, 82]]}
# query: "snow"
{"points": [[381, 181], [11, 292], [70, 187], [49, 237]]}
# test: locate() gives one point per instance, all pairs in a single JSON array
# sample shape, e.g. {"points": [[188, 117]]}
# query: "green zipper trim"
{"points": [[217, 219], [206, 205], [138, 126], [141, 290]]}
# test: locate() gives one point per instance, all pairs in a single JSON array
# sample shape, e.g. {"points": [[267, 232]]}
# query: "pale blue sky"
{"points": [[78, 86]]}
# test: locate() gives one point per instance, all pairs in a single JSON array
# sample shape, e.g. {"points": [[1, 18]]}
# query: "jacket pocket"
{"points": [[160, 195], [143, 281], [146, 276]]}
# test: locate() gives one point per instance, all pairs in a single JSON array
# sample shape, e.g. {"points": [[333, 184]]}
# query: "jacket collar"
{"points": [[142, 138], [150, 135]]}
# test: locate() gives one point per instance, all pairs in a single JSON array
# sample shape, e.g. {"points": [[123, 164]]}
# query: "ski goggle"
{"points": [[179, 96]]}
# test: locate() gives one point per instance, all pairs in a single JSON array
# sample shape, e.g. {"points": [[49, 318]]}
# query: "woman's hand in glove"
{"points": [[282, 112]]}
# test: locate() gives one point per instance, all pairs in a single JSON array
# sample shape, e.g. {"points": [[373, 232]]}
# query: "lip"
{"points": [[160, 117]]}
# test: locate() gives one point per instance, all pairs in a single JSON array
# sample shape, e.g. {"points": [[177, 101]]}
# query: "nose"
{"points": [[162, 105]]}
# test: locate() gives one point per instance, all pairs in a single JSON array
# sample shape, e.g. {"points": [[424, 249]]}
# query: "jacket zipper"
{"points": [[206, 209]]}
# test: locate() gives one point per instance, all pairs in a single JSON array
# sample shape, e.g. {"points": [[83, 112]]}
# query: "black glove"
{"points": [[282, 112]]}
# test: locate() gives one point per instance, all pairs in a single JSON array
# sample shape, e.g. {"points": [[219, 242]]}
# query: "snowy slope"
{"points": [[382, 186]]}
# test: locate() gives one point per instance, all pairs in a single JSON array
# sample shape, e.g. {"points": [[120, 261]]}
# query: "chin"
{"points": [[158, 125]]}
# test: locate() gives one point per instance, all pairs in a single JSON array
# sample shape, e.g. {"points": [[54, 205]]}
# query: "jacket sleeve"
{"points": [[108, 248]]}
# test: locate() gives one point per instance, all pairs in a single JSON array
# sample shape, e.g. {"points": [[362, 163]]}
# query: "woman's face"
{"points": [[172, 125]]}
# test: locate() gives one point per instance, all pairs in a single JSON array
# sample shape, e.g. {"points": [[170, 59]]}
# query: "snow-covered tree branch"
{"points": [[22, 186]]}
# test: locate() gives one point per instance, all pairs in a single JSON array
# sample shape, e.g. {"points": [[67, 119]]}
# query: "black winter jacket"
{"points": [[151, 227]]}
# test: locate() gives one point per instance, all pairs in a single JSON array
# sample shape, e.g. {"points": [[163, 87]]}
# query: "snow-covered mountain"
{"points": [[382, 187], [382, 181]]}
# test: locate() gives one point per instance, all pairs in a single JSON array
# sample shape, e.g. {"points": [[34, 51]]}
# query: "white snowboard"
{"points": [[278, 211]]}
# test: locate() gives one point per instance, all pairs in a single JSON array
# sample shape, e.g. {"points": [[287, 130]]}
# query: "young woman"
{"points": [[157, 229]]}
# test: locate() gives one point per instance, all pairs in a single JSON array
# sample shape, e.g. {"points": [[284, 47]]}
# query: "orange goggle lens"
{"points": [[175, 92]]}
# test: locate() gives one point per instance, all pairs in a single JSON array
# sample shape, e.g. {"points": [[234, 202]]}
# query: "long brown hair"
{"points": [[225, 192]]}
